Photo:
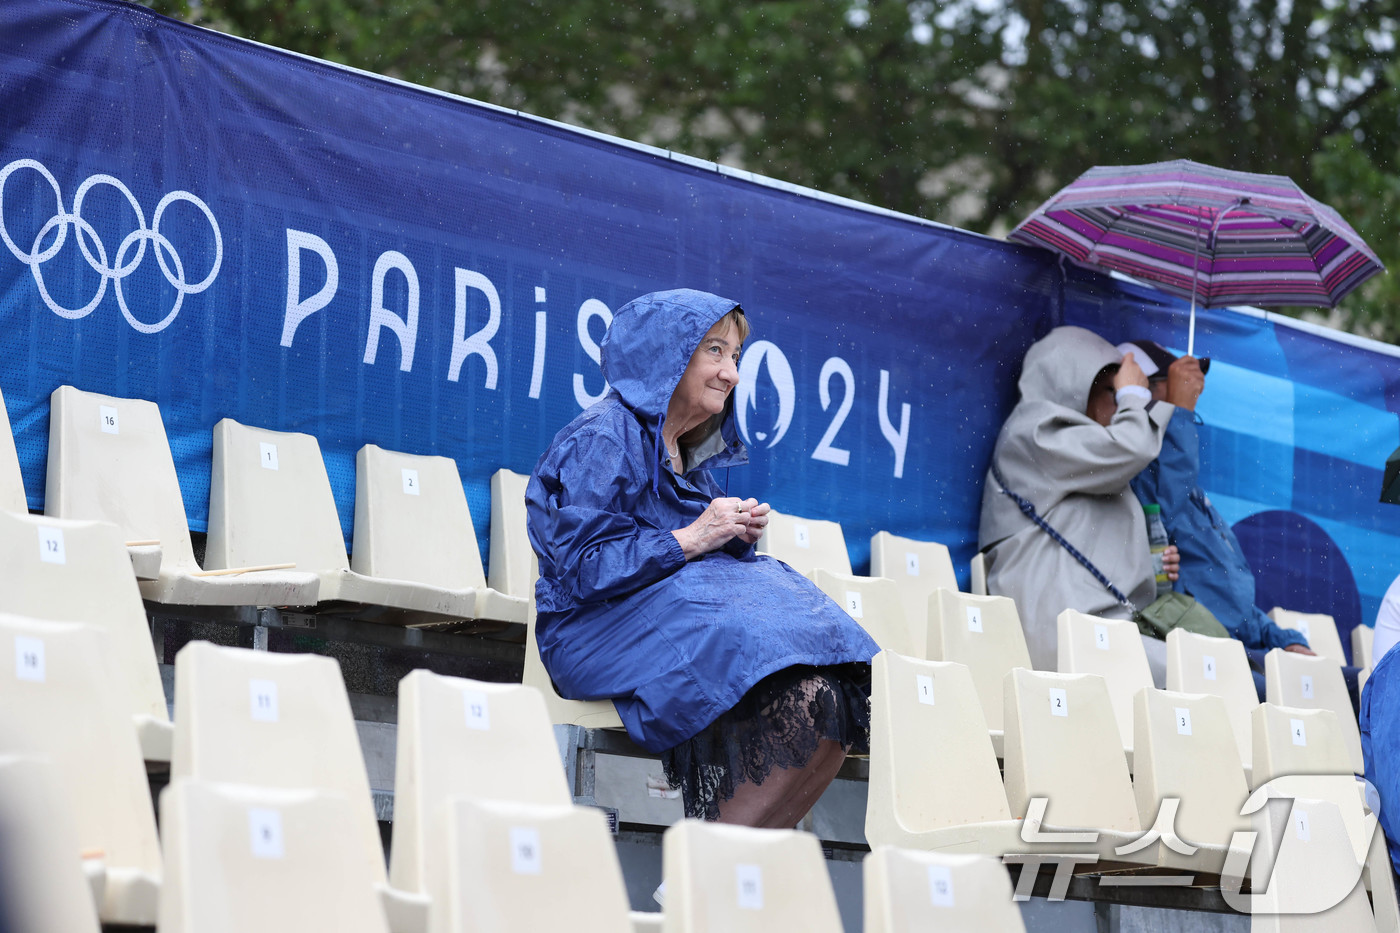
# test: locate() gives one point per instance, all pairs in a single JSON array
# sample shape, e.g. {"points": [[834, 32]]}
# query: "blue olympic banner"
{"points": [[231, 231]]}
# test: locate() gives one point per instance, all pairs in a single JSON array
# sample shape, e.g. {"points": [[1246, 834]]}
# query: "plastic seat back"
{"points": [[12, 497], [1218, 666], [258, 858], [1062, 744], [1302, 753], [271, 720], [110, 460], [805, 544], [907, 891], [977, 584], [512, 867], [1186, 751], [875, 604], [1113, 650], [270, 502], [45, 889], [1313, 880], [1318, 628], [983, 632], [744, 880], [514, 566], [1363, 639], [79, 571], [466, 738], [1293, 679], [917, 568], [931, 762], [57, 701], [412, 521]]}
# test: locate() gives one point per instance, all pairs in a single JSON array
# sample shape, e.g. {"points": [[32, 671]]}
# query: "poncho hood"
{"points": [[1060, 368], [645, 353]]}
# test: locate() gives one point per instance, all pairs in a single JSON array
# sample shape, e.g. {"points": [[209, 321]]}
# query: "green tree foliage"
{"points": [[966, 111]]}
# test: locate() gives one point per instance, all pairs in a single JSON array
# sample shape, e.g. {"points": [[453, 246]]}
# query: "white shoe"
{"points": [[659, 895]]}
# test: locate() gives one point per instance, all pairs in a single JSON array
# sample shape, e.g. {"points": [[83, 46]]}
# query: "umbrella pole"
{"points": [[1195, 278]]}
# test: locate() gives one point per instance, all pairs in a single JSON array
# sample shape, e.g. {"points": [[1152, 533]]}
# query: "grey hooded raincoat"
{"points": [[1076, 473]]}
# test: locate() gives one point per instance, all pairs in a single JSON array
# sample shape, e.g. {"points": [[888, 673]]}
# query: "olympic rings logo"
{"points": [[128, 256]]}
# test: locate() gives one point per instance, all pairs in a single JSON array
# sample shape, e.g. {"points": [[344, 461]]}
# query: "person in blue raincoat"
{"points": [[1380, 746], [1214, 569], [748, 680]]}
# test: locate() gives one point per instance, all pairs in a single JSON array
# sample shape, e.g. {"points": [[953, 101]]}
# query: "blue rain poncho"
{"points": [[1380, 744], [622, 613], [1213, 567]]}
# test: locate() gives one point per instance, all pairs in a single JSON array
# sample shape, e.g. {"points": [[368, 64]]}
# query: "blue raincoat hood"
{"points": [[650, 342], [645, 353]]}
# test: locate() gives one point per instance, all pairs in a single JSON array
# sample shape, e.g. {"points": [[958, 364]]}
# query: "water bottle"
{"points": [[1156, 544]]}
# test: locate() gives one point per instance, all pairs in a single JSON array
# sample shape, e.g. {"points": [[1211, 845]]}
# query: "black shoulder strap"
{"points": [[1028, 508]]}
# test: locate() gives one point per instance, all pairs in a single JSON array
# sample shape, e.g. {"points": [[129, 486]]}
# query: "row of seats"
{"points": [[935, 782], [274, 534], [984, 633], [267, 822]]}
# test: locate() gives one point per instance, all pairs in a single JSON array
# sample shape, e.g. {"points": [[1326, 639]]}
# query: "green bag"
{"points": [[1177, 610]]}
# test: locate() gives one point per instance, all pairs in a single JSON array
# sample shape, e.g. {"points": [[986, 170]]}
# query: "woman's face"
{"points": [[712, 374]]}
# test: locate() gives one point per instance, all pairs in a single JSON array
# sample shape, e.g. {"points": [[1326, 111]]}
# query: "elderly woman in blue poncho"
{"points": [[741, 673]]}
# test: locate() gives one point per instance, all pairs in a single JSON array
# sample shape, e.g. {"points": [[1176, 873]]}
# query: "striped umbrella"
{"points": [[1216, 236]]}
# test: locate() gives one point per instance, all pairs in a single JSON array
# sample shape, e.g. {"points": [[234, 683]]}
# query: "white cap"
{"points": [[1149, 368]]}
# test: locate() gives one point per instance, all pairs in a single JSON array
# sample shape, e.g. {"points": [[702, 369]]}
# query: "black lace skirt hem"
{"points": [[778, 723]]}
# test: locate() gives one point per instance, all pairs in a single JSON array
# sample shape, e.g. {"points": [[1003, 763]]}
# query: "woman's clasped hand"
{"points": [[723, 520]]}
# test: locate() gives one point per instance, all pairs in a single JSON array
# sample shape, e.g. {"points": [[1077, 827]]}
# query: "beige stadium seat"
{"points": [[978, 573], [1293, 679], [510, 867], [743, 880], [934, 782], [591, 714], [270, 503], [240, 857], [514, 569], [514, 566], [1187, 752], [907, 891], [1381, 881], [1302, 753], [983, 632], [1062, 746], [12, 498], [1313, 882], [1363, 637], [1318, 628], [45, 889], [279, 721], [57, 701], [917, 567], [1113, 650], [465, 738], [1218, 666], [67, 571], [875, 603], [412, 522], [805, 544], [109, 459]]}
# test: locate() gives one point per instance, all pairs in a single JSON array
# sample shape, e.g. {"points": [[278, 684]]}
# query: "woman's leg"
{"points": [[787, 794]]}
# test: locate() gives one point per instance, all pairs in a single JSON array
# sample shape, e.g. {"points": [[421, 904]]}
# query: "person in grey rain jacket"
{"points": [[1085, 425], [747, 679]]}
